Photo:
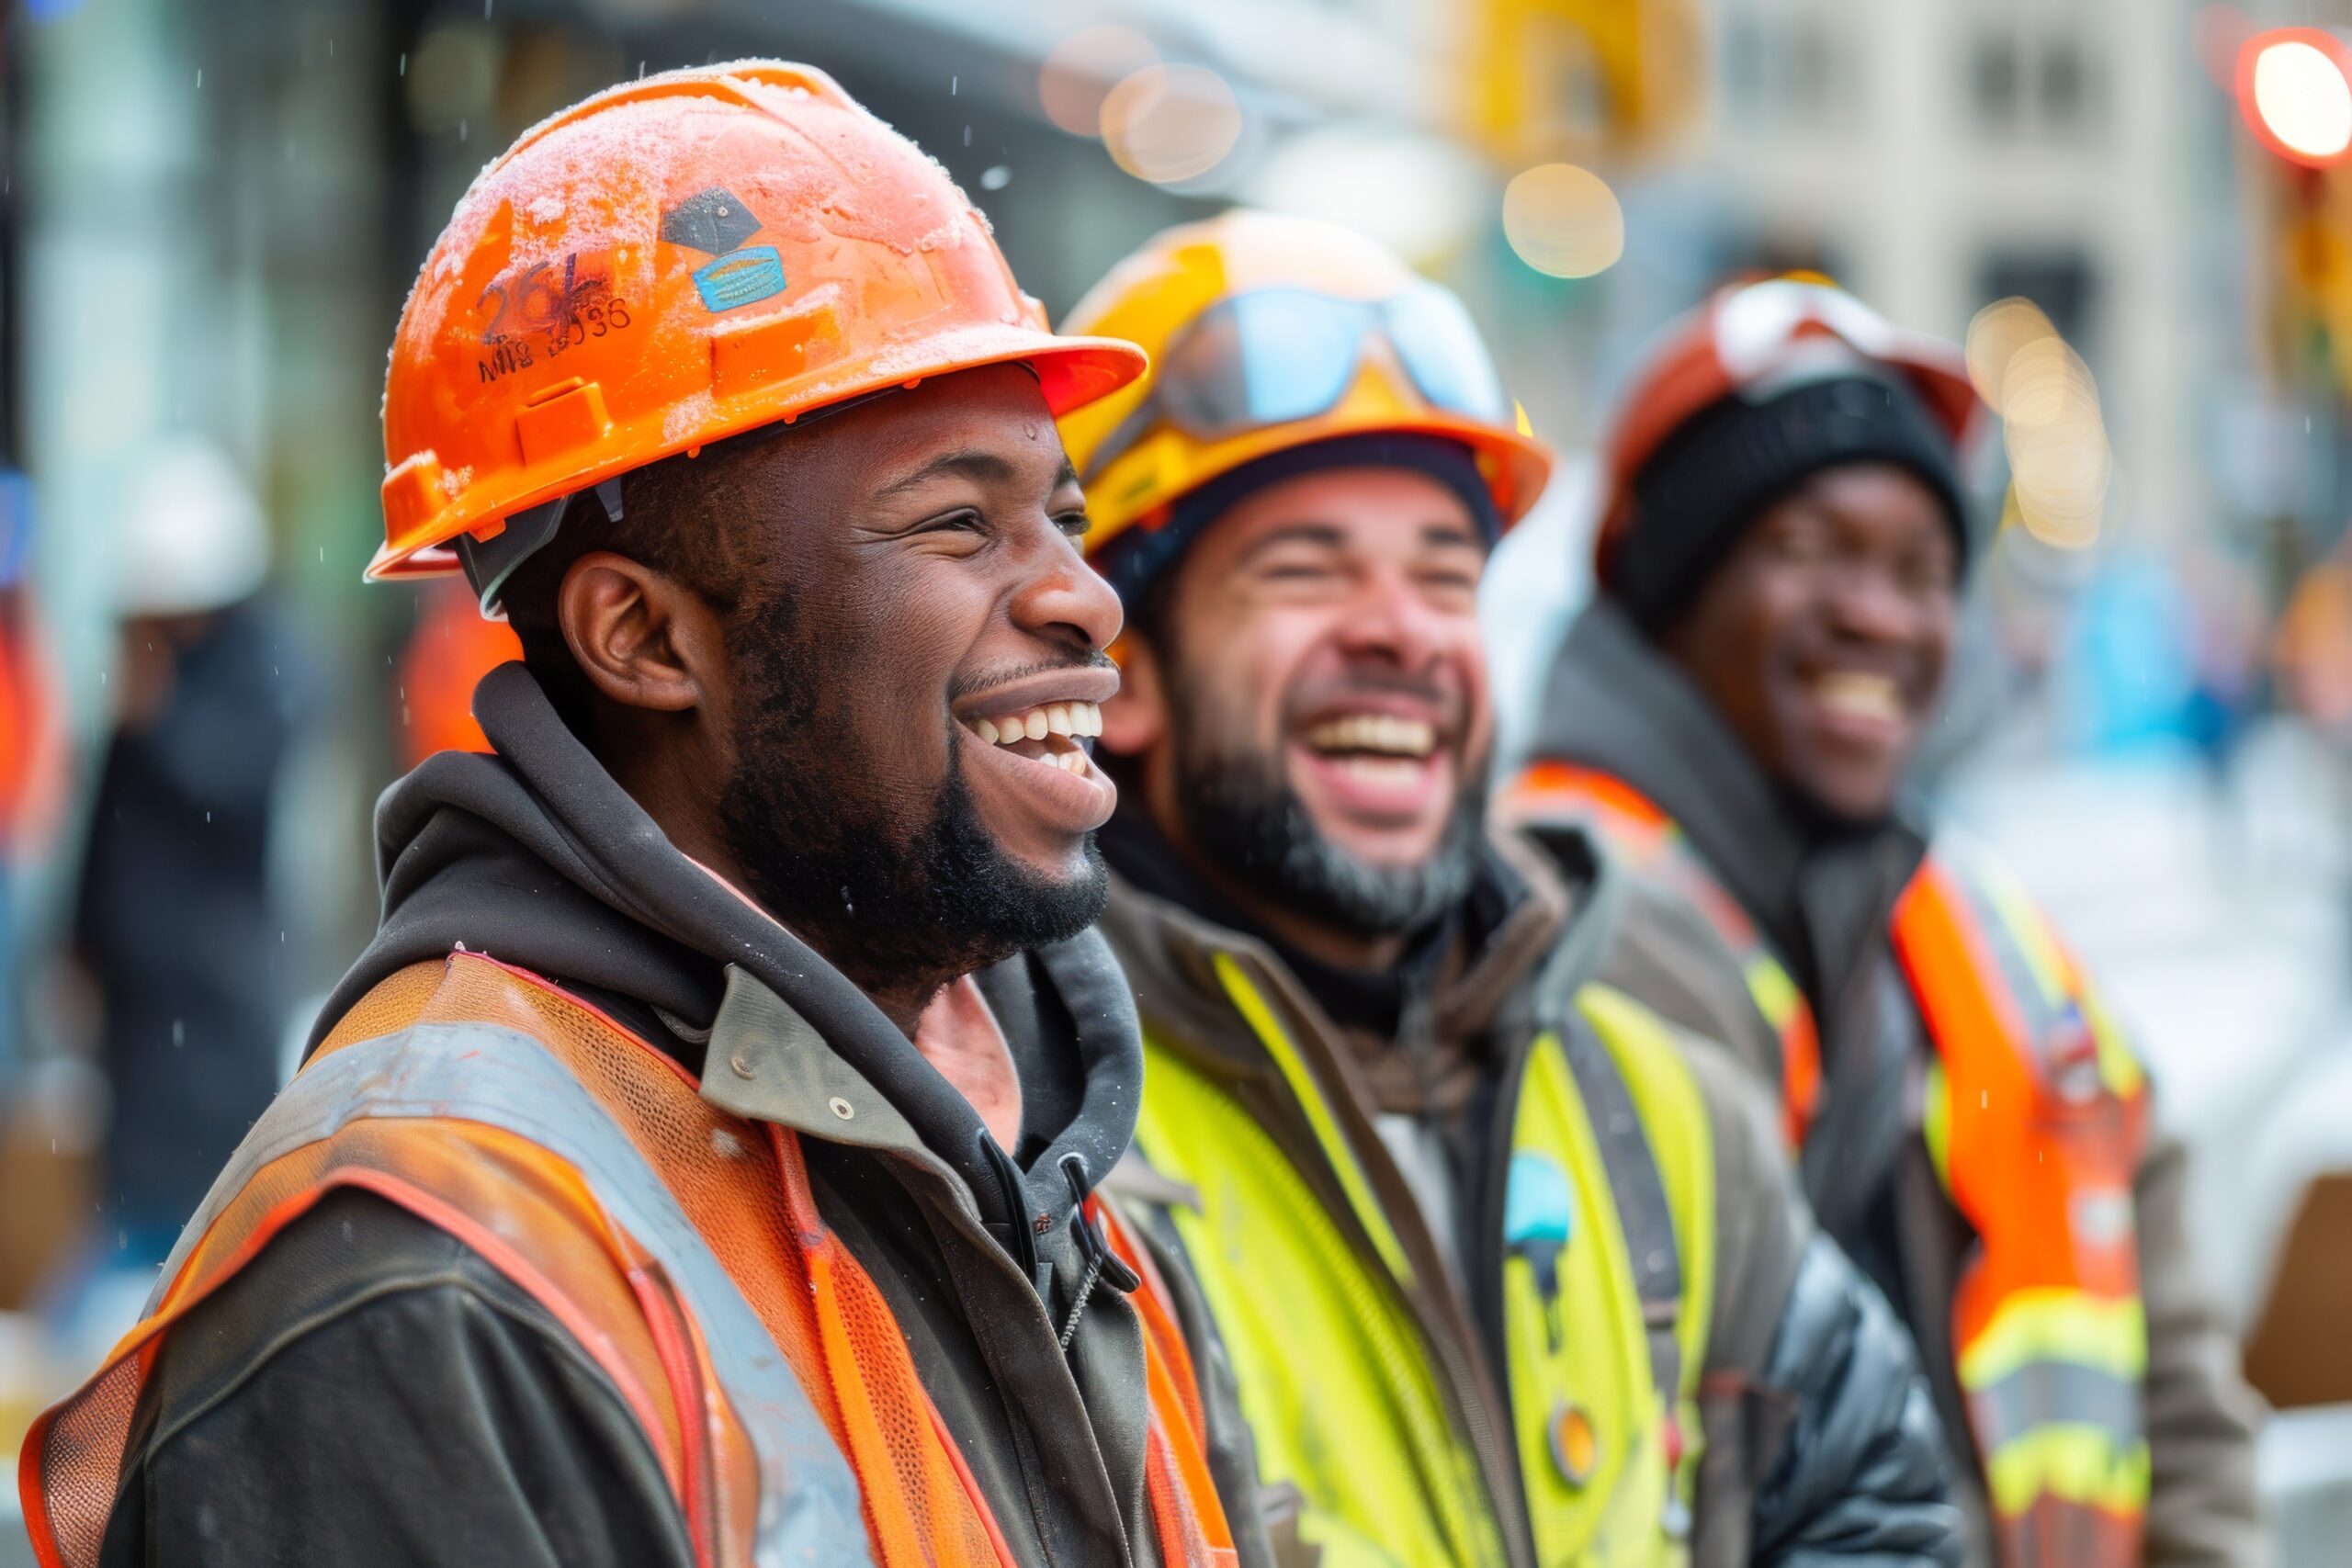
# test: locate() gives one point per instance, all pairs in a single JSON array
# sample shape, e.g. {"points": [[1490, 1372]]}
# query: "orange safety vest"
{"points": [[2034, 1114], [678, 1245]]}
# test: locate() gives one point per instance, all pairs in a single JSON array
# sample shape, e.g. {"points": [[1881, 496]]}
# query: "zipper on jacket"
{"points": [[1460, 1367]]}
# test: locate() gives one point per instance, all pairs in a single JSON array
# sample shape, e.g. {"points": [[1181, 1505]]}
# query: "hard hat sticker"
{"points": [[742, 278], [715, 220]]}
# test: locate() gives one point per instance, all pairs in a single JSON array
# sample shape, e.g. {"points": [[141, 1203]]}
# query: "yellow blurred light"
{"points": [[1563, 220], [453, 76], [2303, 97], [2061, 465], [2000, 330], [1078, 72], [1170, 123]]}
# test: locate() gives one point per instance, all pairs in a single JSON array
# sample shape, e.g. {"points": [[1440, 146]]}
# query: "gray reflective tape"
{"points": [[2045, 1019], [2046, 1393], [501, 1077]]}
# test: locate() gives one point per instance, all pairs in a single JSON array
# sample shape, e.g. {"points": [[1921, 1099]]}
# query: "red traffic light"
{"points": [[2295, 90]]}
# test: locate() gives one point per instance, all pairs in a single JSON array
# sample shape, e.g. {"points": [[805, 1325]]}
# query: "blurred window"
{"points": [[2058, 278], [2066, 86], [1786, 66], [1993, 80]]}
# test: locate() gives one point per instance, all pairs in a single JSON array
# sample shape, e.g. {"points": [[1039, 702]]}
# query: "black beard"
{"points": [[1240, 812], [825, 855]]}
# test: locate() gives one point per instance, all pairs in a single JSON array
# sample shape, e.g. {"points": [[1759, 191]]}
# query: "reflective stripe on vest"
{"points": [[1340, 1384], [2033, 1115], [574, 1159], [2038, 1115], [1562, 795]]}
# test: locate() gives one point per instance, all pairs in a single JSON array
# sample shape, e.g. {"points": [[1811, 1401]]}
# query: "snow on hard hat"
{"points": [[189, 537], [675, 260]]}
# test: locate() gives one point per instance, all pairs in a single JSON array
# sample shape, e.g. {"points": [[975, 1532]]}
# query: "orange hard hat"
{"points": [[675, 260], [1752, 337]]}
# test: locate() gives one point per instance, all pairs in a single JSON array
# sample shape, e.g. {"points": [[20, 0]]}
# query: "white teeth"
{"points": [[1070, 721], [1860, 693], [1375, 732]]}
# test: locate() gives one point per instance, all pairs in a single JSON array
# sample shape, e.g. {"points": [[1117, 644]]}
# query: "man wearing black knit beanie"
{"points": [[1780, 561]]}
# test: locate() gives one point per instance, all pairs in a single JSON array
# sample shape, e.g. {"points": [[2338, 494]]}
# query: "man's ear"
{"points": [[1135, 720], [642, 638]]}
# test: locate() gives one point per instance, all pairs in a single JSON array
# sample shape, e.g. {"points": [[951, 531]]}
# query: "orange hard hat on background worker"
{"points": [[1272, 334], [1795, 353], [588, 311]]}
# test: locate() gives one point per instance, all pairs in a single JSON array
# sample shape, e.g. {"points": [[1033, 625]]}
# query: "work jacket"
{"points": [[1518, 1277], [737, 1277], [1973, 1125]]}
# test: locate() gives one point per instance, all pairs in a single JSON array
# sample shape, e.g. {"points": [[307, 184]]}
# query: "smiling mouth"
{"points": [[1378, 747], [1054, 734], [1857, 694]]}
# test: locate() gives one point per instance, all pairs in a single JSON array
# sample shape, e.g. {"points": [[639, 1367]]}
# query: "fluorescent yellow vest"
{"points": [[1341, 1384]]}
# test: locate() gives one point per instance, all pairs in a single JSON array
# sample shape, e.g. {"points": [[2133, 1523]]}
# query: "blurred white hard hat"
{"points": [[190, 537]]}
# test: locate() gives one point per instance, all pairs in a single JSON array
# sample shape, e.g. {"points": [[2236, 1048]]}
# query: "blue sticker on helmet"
{"points": [[741, 278]]}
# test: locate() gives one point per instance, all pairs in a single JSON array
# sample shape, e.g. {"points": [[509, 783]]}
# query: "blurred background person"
{"points": [[1783, 550], [179, 923], [453, 646]]}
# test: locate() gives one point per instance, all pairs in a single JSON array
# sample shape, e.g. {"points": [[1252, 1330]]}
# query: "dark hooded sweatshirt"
{"points": [[368, 1391], [1824, 895]]}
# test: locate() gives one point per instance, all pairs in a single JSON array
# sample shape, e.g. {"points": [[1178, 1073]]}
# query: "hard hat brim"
{"points": [[1071, 373]]}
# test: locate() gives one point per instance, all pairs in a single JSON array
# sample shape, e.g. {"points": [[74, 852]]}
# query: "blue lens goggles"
{"points": [[1275, 356]]}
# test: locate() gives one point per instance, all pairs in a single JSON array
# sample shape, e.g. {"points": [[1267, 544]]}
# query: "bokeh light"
{"points": [[1170, 123], [1563, 220], [2061, 463], [2303, 97], [1078, 72], [453, 76]]}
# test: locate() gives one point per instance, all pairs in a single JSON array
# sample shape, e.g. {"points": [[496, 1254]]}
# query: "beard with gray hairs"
{"points": [[822, 854], [1240, 812]]}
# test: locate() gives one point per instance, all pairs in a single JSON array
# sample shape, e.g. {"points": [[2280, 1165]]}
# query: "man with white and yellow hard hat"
{"points": [[1500, 1243]]}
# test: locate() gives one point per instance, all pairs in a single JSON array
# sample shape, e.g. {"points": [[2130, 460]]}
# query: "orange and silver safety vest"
{"points": [[679, 1245], [2034, 1116]]}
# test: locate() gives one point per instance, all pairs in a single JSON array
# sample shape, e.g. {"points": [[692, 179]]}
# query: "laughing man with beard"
{"points": [[1510, 1269], [699, 1165]]}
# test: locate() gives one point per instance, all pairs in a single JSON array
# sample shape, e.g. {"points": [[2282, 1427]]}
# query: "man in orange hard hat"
{"points": [[1780, 564], [1511, 1271], [699, 1165]]}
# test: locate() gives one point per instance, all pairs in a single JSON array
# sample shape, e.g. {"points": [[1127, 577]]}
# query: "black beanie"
{"points": [[1130, 562], [1711, 480]]}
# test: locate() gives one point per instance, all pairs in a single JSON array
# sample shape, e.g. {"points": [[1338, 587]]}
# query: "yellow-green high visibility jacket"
{"points": [[1594, 1371]]}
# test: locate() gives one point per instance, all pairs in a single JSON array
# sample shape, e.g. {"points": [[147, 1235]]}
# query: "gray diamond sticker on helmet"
{"points": [[715, 220]]}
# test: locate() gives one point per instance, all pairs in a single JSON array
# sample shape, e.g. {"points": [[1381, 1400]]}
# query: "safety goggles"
{"points": [[1276, 355], [1755, 326]]}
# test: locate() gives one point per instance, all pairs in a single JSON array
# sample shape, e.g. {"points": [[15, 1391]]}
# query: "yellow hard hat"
{"points": [[1268, 332]]}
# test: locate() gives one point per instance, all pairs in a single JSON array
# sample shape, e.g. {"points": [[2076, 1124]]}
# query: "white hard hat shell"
{"points": [[190, 537]]}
